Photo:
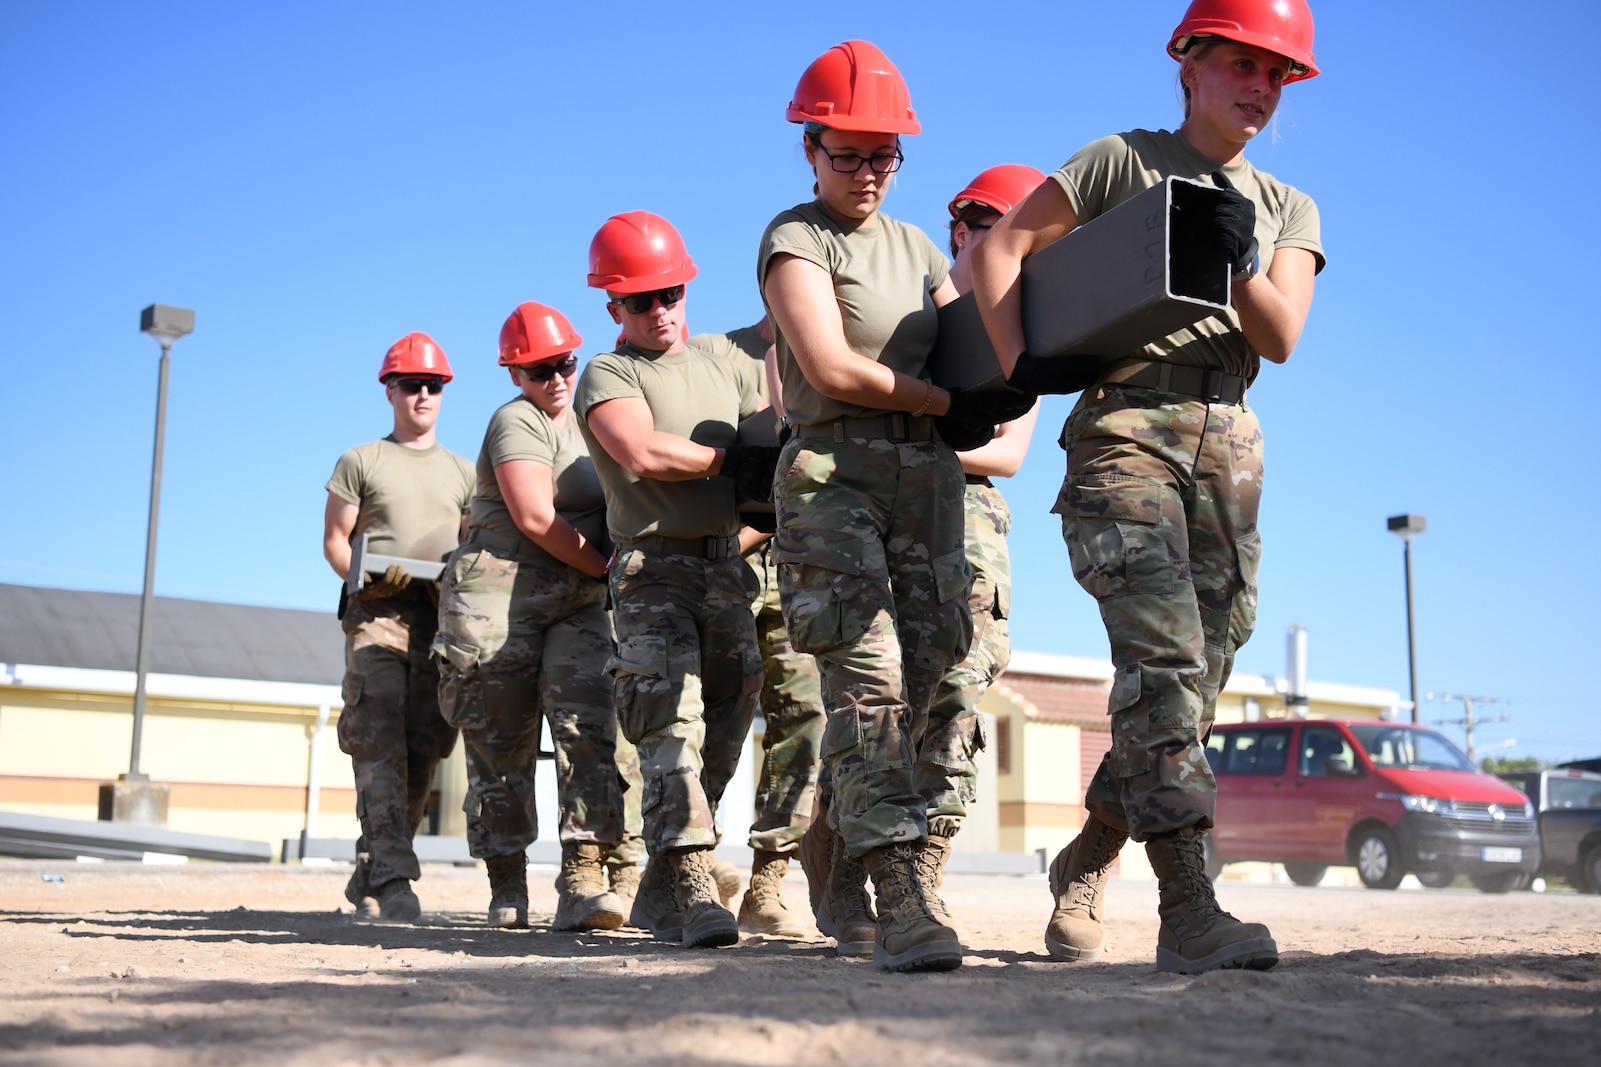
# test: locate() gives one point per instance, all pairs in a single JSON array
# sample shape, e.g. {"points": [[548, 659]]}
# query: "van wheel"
{"points": [[1214, 865], [1590, 870], [1306, 873], [1435, 879], [1378, 859], [1498, 882]]}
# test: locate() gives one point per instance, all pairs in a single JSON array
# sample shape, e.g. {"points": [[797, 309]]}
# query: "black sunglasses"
{"points": [[639, 303], [544, 372], [413, 386]]}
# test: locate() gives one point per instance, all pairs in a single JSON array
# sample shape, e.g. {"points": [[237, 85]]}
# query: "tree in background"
{"points": [[1508, 764]]}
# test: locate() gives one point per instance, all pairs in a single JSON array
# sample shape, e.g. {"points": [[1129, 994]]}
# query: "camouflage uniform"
{"points": [[630, 848], [390, 726], [874, 584], [685, 675], [522, 636], [792, 710], [945, 774], [1159, 513]]}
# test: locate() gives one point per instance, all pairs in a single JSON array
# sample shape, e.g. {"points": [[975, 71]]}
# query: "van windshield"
{"points": [[1414, 749]]}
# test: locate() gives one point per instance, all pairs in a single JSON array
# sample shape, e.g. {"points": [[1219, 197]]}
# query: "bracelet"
{"points": [[928, 398]]}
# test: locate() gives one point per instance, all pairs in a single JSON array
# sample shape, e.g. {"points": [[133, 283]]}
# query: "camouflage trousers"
{"points": [[524, 640], [1159, 513], [945, 774], [390, 726], [685, 679], [792, 716], [874, 584], [630, 848]]}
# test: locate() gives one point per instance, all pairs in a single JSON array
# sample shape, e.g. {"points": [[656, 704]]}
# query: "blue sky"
{"points": [[316, 180]]}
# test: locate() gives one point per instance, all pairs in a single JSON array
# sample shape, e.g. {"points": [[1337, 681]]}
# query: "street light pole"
{"points": [[1408, 527], [164, 325]]}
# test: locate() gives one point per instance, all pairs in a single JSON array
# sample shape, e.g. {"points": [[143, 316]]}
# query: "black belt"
{"points": [[708, 548], [891, 426], [506, 544], [1202, 383], [979, 479]]}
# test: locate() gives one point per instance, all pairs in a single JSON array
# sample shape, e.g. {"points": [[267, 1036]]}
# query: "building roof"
{"points": [[196, 638]]}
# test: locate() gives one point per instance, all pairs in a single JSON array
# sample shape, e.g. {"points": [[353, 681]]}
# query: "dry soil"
{"points": [[126, 965]]}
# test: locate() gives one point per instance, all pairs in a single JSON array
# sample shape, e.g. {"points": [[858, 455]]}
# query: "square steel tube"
{"points": [[1120, 281]]}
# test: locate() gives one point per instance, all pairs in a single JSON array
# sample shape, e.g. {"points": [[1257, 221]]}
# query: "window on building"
{"points": [[1003, 744]]}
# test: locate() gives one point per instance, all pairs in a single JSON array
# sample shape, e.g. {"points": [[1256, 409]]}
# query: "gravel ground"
{"points": [[213, 964]]}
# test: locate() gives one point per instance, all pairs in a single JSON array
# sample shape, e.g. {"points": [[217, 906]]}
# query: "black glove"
{"points": [[973, 415], [751, 467], [1233, 228]]}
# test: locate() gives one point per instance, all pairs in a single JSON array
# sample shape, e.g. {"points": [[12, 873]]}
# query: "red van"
{"points": [[1384, 797]]}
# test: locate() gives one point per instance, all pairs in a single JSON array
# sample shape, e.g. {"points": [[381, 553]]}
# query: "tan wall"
{"points": [[235, 770]]}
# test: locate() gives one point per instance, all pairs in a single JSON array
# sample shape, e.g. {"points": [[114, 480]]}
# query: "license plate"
{"points": [[1503, 855]]}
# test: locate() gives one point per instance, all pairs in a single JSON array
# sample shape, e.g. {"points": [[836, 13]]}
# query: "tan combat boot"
{"points": [[624, 880], [908, 937], [816, 855], [359, 892], [762, 911], [397, 903], [1078, 878], [707, 924], [1197, 935], [656, 904], [845, 911], [726, 875], [931, 862], [508, 891], [582, 900]]}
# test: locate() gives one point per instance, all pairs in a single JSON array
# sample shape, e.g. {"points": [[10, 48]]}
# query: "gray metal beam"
{"points": [[1122, 280]]}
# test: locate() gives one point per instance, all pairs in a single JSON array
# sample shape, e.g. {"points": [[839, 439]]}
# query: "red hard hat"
{"points": [[415, 353], [536, 332], [1001, 188], [637, 252], [1282, 26], [854, 86]]}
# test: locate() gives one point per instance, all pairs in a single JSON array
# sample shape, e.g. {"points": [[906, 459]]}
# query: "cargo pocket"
{"points": [[1003, 595], [1242, 613], [1115, 534], [350, 691], [1130, 724], [640, 685], [841, 733], [829, 583], [461, 699], [946, 636]]}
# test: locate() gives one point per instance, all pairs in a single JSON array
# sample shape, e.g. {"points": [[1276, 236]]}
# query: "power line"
{"points": [[1469, 720]]}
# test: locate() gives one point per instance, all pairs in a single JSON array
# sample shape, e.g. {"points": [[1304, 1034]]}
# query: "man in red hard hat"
{"points": [[660, 418], [409, 495]]}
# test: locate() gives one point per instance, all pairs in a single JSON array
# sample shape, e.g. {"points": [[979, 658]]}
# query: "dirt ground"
{"points": [[207, 964]]}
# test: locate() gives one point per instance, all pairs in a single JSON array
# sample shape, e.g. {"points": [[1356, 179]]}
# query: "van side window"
{"points": [[1259, 751], [1214, 749], [1319, 745], [1574, 792]]}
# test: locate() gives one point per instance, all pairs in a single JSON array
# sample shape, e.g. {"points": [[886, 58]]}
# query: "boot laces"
{"points": [[898, 881], [848, 883], [1201, 897], [766, 878], [695, 877]]}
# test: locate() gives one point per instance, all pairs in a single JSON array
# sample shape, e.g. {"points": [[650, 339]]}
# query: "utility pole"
{"points": [[1469, 719]]}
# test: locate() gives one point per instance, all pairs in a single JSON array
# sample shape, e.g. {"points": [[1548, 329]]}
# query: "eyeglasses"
{"points": [[850, 164], [639, 303], [413, 386], [981, 225], [544, 372]]}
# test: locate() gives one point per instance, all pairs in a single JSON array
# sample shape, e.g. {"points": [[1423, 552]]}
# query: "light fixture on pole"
{"points": [[1407, 527], [139, 801]]}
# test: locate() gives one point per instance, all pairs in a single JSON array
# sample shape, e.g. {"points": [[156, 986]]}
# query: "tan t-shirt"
{"points": [[411, 500], [692, 394], [1104, 173], [884, 278], [519, 430], [746, 347]]}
